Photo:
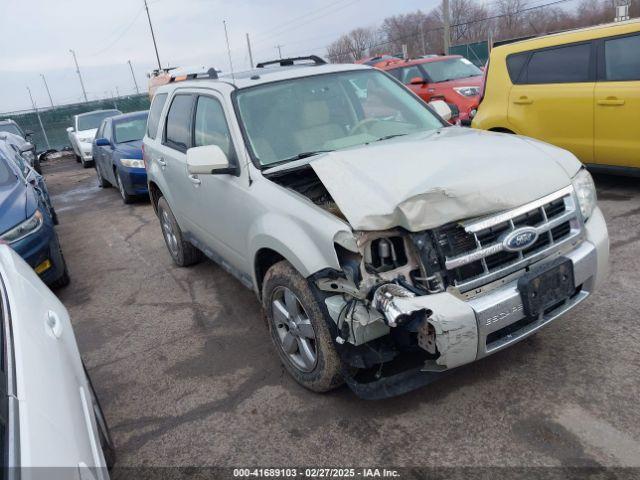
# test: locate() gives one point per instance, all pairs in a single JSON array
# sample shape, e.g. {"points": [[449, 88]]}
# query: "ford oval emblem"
{"points": [[520, 239]]}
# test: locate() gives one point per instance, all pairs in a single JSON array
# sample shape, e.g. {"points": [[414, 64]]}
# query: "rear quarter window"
{"points": [[154, 114], [515, 62]]}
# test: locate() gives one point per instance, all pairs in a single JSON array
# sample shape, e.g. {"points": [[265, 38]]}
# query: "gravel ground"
{"points": [[187, 374]]}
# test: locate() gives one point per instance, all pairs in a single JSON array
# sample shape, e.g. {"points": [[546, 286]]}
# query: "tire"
{"points": [[36, 165], [63, 280], [300, 329], [181, 251], [78, 159], [106, 442], [102, 183], [126, 198], [86, 164]]}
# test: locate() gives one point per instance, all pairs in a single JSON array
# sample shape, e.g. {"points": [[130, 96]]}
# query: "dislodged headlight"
{"points": [[132, 162], [586, 192], [468, 91], [29, 226]]}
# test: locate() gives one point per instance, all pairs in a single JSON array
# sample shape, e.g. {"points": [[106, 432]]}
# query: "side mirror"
{"points": [[28, 133], [209, 159], [417, 81], [102, 142], [27, 147], [70, 129], [442, 109]]}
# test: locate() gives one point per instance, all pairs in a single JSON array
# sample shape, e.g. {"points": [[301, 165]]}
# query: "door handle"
{"points": [[611, 102], [53, 324], [523, 101], [161, 162], [195, 180]]}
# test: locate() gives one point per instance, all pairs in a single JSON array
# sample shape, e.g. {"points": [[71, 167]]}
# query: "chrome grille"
{"points": [[475, 254]]}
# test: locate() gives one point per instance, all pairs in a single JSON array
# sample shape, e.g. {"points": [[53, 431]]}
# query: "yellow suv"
{"points": [[579, 90]]}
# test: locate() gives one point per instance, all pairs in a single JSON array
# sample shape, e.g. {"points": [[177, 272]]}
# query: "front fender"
{"points": [[308, 249]]}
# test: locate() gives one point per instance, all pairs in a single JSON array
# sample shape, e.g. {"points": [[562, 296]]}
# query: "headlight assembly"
{"points": [[586, 192], [468, 91], [132, 162], [29, 226]]}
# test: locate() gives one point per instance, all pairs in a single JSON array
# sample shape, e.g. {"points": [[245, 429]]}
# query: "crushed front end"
{"points": [[408, 307]]}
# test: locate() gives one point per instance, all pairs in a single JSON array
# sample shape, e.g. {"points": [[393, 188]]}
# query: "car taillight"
{"points": [[483, 86]]}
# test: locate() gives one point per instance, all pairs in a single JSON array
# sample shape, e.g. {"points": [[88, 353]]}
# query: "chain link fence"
{"points": [[55, 121]]}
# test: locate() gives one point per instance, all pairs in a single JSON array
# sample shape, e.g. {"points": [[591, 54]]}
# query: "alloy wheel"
{"points": [[169, 233], [294, 329]]}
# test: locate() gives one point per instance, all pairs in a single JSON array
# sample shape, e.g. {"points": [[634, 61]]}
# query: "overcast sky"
{"points": [[37, 36]]}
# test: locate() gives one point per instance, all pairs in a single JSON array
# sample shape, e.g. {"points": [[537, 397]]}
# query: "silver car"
{"points": [[387, 247]]}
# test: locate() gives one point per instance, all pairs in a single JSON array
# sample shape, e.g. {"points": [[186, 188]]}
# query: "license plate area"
{"points": [[546, 286]]}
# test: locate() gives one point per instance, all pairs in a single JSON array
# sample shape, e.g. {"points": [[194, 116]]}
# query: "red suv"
{"points": [[451, 78]]}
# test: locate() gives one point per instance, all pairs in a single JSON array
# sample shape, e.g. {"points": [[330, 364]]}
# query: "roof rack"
{"points": [[212, 74], [287, 62]]}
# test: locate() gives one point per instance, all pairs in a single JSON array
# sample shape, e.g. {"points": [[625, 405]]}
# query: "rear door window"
{"points": [[622, 58], [154, 114], [568, 64], [178, 128]]}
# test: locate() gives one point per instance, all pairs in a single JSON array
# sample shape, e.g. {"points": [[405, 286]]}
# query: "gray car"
{"points": [[386, 246]]}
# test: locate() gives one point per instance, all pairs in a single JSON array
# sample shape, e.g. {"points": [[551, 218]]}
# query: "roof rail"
{"points": [[287, 62], [212, 74]]}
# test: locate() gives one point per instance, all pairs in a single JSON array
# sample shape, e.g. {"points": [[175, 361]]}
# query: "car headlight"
{"points": [[85, 139], [29, 226], [468, 91], [132, 162], [586, 192]]}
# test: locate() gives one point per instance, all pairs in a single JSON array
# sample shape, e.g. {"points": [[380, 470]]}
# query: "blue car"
{"points": [[27, 226], [117, 154]]}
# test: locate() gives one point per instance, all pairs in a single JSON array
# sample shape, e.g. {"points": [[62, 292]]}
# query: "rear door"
{"points": [[172, 155], [552, 96], [617, 102]]}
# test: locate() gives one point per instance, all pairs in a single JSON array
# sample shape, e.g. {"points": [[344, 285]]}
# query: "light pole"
{"points": [[134, 77], [279, 47], [44, 133], [47, 88], [75, 60], [446, 21], [250, 54]]}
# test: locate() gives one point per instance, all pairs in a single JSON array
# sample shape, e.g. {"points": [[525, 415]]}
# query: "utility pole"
{"points": [[75, 60], [250, 54], [134, 77], [153, 36], [44, 133], [424, 43], [48, 92], [446, 22], [279, 47]]}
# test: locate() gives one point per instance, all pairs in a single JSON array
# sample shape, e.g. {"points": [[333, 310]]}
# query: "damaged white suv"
{"points": [[386, 246]]}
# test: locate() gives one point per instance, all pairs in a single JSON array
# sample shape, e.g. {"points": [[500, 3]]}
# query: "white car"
{"points": [[51, 416], [83, 132]]}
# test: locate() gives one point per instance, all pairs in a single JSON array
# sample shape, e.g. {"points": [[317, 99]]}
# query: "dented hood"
{"points": [[426, 180]]}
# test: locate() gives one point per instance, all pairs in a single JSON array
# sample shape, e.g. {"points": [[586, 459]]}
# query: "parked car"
{"points": [[10, 126], [83, 132], [25, 149], [117, 154], [451, 78], [51, 415], [386, 246], [30, 176], [579, 90], [27, 226]]}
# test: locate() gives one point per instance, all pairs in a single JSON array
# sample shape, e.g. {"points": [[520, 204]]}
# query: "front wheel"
{"points": [[299, 330], [102, 183], [182, 252], [126, 198], [106, 442]]}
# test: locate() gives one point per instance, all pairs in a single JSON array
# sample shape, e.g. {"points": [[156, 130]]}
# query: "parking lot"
{"points": [[187, 374]]}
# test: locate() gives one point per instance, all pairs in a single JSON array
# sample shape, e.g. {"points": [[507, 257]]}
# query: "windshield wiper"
{"points": [[299, 156], [387, 137]]}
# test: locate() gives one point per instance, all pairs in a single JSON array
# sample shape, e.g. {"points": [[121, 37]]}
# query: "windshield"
{"points": [[89, 121], [295, 118], [452, 69], [7, 175], [11, 128], [130, 130]]}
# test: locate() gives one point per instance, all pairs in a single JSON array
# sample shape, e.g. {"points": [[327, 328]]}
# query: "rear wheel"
{"points": [[299, 329], [182, 252], [77, 158]]}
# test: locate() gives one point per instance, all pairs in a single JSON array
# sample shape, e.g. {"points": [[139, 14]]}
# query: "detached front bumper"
{"points": [[468, 330]]}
